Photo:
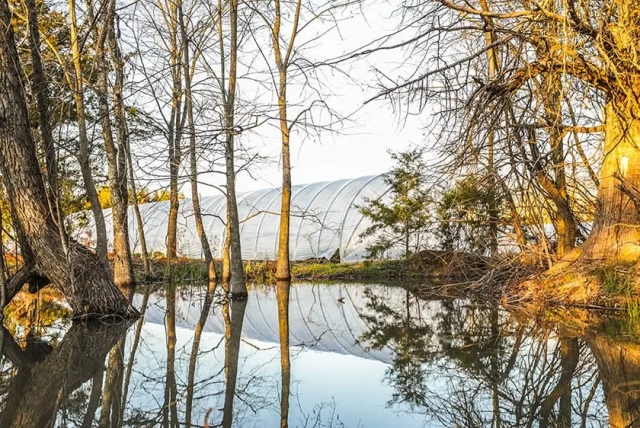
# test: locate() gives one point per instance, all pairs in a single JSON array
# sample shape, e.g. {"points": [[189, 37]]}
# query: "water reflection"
{"points": [[316, 356], [43, 381]]}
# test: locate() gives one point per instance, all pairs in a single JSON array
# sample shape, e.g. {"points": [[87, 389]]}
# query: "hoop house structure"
{"points": [[324, 221]]}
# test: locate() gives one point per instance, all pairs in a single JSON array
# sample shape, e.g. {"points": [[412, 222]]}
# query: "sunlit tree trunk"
{"points": [[615, 236], [174, 132], [83, 140], [76, 272], [282, 59], [116, 169], [237, 284], [123, 264]]}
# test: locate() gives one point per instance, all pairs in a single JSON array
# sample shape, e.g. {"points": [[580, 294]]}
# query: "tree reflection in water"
{"points": [[444, 363], [474, 365], [282, 297], [47, 379]]}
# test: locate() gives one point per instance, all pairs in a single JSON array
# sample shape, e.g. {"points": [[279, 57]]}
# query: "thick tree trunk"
{"points": [[123, 263], [237, 283], [77, 273], [615, 237]]}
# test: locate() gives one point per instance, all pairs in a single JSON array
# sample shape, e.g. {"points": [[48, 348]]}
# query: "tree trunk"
{"points": [[77, 273], [39, 84], [116, 170], [123, 267], [237, 283], [226, 257], [84, 152], [193, 176], [283, 270], [566, 228], [174, 136], [615, 237]]}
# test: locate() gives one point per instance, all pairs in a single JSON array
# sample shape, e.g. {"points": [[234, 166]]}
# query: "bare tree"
{"points": [[228, 85]]}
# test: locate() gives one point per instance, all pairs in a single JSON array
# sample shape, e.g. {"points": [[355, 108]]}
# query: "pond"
{"points": [[358, 356]]}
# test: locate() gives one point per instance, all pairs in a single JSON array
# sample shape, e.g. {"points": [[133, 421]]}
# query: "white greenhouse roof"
{"points": [[324, 218]]}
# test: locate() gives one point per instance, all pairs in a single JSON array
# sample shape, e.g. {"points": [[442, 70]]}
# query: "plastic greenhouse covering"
{"points": [[324, 219]]}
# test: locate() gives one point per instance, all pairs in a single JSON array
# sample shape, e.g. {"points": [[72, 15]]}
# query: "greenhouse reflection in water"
{"points": [[357, 356]]}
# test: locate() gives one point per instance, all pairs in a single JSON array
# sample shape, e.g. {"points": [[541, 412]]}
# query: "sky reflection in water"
{"points": [[360, 356]]}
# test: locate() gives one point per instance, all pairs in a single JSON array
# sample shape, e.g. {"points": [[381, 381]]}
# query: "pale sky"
{"points": [[360, 146], [357, 147]]}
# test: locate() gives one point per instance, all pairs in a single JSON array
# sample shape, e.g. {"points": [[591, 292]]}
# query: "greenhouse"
{"points": [[325, 221]]}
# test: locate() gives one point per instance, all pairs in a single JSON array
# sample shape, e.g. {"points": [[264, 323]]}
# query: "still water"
{"points": [[358, 356]]}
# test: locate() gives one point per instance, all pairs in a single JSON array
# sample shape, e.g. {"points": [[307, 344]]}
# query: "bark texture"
{"points": [[615, 237], [116, 158]]}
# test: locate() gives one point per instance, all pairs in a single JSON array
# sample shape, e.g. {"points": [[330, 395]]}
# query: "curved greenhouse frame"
{"points": [[324, 219]]}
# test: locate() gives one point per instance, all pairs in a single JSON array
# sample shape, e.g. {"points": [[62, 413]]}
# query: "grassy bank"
{"points": [[428, 265], [185, 270]]}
